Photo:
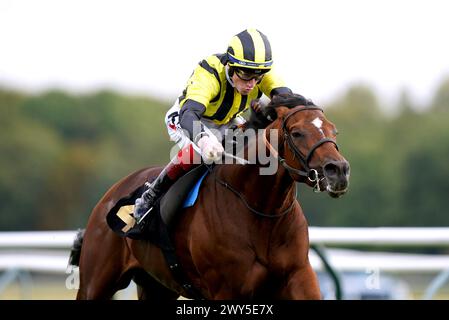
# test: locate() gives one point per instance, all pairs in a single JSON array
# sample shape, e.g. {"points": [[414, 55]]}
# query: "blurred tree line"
{"points": [[60, 152]]}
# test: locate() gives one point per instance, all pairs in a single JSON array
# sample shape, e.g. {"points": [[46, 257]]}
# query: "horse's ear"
{"points": [[272, 113], [281, 111]]}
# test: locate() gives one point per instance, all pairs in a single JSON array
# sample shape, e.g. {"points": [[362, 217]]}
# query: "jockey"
{"points": [[221, 87]]}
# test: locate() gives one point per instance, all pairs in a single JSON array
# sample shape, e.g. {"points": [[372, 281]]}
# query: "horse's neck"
{"points": [[269, 194], [267, 187]]}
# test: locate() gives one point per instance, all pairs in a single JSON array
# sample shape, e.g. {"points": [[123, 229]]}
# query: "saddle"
{"points": [[182, 194]]}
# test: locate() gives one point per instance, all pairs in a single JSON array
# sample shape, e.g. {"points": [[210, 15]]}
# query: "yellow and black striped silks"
{"points": [[208, 85]]}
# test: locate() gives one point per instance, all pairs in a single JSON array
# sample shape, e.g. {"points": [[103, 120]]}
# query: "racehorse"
{"points": [[246, 237]]}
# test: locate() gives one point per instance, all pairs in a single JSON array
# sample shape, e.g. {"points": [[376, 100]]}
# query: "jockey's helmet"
{"points": [[250, 49]]}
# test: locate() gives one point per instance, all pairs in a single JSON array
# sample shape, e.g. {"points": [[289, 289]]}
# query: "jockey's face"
{"points": [[244, 87]]}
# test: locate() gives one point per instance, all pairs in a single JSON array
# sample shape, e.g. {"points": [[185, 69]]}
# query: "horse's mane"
{"points": [[289, 100], [268, 113]]}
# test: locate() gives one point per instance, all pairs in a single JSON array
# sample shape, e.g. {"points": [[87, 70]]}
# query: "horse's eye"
{"points": [[297, 134]]}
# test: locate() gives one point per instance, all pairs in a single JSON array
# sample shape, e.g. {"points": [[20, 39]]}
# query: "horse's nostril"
{"points": [[336, 168], [330, 169]]}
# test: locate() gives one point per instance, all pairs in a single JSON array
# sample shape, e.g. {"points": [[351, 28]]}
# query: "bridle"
{"points": [[311, 174]]}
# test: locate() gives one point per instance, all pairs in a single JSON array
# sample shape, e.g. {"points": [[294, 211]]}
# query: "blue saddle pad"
{"points": [[193, 194]]}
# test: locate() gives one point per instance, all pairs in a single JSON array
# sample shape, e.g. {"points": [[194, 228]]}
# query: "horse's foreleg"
{"points": [[302, 284]]}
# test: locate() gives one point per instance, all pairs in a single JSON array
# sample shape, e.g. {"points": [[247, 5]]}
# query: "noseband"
{"points": [[311, 174]]}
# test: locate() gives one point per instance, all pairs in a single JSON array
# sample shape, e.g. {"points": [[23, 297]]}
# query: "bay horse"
{"points": [[245, 242]]}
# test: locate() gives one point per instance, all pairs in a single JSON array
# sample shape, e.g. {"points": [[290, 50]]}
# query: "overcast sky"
{"points": [[151, 47]]}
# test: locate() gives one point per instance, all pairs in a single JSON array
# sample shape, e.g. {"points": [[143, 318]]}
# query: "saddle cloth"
{"points": [[181, 195]]}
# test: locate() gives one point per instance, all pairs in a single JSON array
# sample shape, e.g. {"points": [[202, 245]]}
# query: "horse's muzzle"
{"points": [[337, 177]]}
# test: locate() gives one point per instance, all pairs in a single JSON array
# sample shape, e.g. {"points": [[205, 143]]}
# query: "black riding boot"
{"points": [[145, 203]]}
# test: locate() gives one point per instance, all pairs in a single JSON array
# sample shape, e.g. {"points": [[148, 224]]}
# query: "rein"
{"points": [[311, 174], [245, 202]]}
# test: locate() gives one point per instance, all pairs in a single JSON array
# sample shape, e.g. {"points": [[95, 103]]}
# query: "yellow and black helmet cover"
{"points": [[250, 49]]}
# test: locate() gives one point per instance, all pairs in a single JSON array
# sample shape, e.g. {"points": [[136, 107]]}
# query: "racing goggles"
{"points": [[249, 74]]}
